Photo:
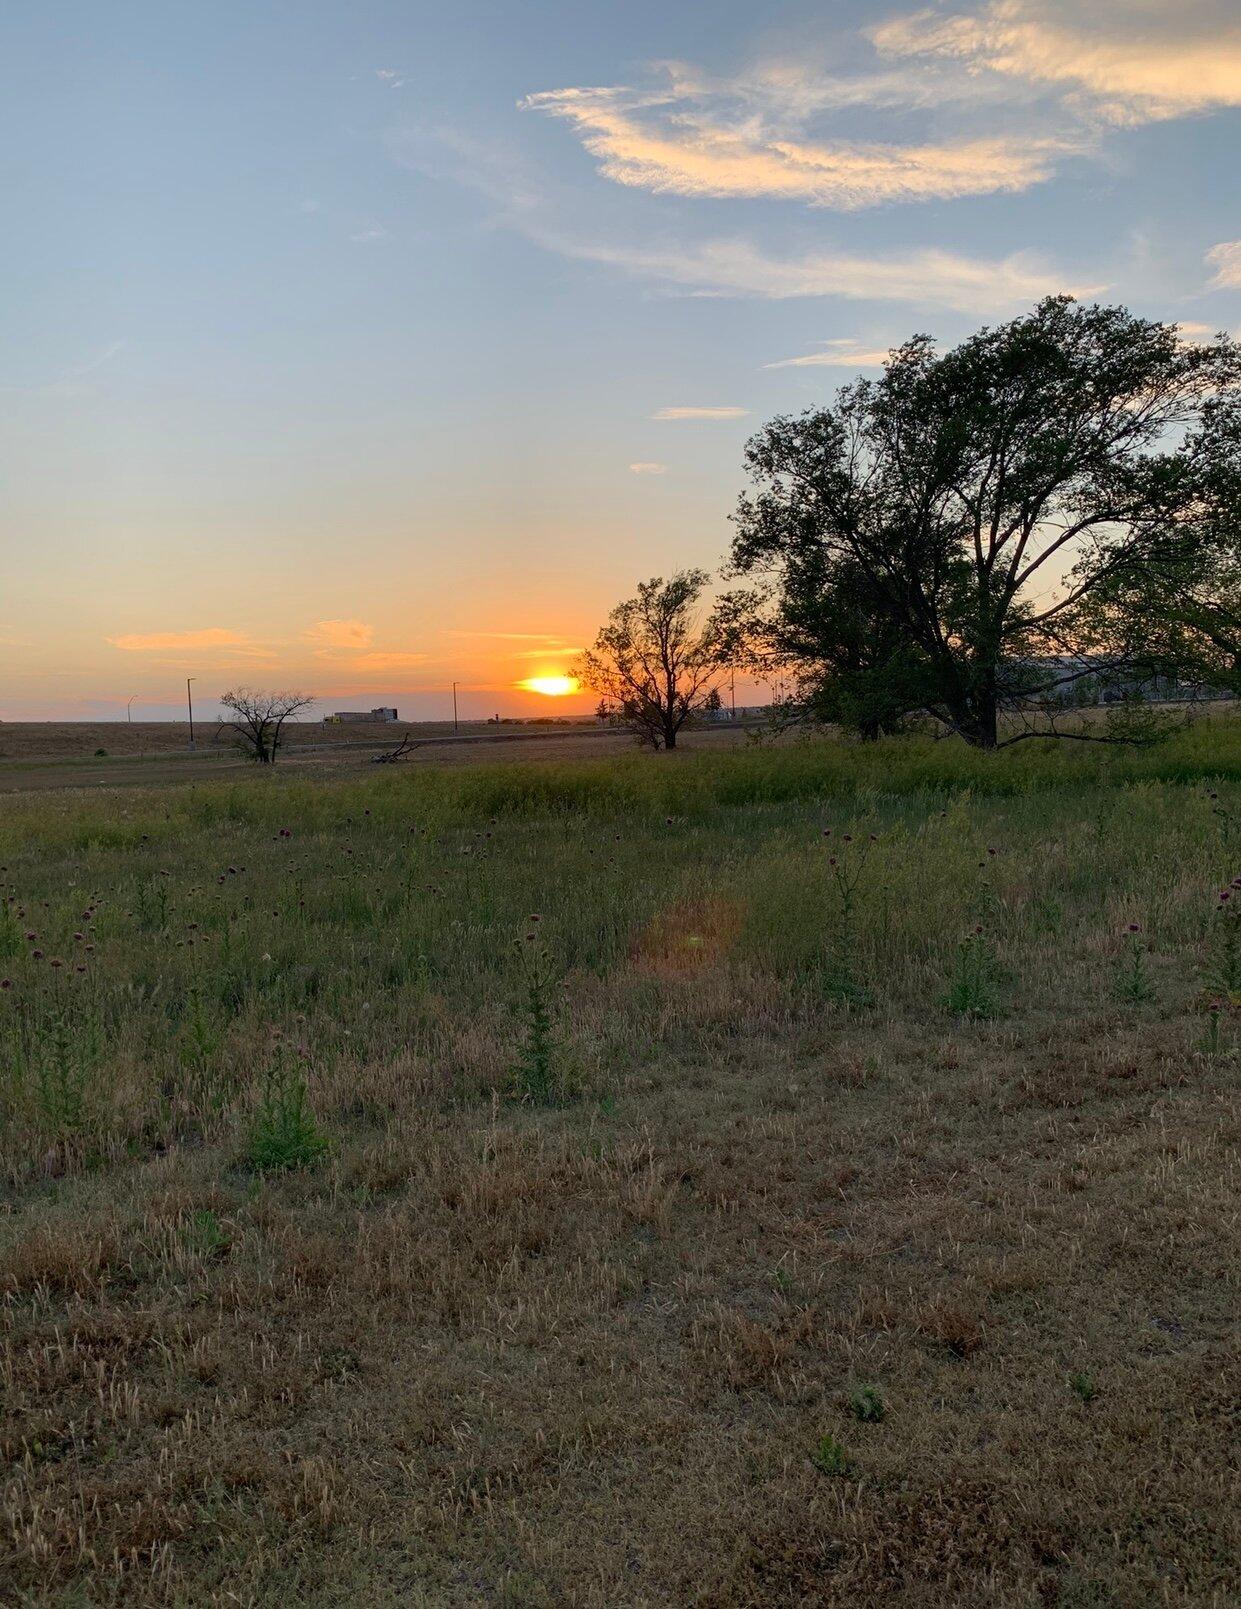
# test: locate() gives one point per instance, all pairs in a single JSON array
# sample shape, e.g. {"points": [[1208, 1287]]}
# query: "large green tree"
{"points": [[995, 521]]}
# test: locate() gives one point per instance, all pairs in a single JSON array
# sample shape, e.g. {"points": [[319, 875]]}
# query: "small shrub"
{"points": [[283, 1131], [866, 1404], [1083, 1385], [830, 1458]]}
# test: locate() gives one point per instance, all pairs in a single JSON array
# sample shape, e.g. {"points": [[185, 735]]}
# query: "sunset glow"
{"points": [[552, 686], [444, 325]]}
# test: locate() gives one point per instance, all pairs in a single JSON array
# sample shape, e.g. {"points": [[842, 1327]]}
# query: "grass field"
{"points": [[771, 1177]]}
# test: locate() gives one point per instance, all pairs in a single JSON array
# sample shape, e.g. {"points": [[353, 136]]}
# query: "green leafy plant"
{"points": [[10, 930], [866, 1404], [283, 1131], [1133, 983], [837, 971], [971, 990], [201, 1037], [1082, 1384], [540, 1072], [830, 1458], [151, 905], [1222, 975], [62, 1068], [206, 1235]]}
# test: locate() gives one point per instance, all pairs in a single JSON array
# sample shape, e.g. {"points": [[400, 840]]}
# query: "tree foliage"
{"points": [[973, 531], [655, 663], [258, 718]]}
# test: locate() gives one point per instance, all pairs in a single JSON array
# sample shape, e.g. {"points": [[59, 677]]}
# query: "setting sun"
{"points": [[552, 686]]}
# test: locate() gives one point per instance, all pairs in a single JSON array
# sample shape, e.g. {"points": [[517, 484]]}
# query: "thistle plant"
{"points": [[283, 1131], [539, 1071], [1133, 983], [62, 1070], [845, 863], [1220, 996], [971, 990], [1222, 976], [200, 1044]]}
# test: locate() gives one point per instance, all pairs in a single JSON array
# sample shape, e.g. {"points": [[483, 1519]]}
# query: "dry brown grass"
{"points": [[487, 1360]]}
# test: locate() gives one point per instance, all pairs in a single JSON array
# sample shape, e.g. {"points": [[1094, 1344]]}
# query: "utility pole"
{"points": [[129, 710], [732, 690], [454, 707], [190, 701]]}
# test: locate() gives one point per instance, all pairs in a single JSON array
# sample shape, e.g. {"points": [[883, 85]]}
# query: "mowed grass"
{"points": [[874, 1240]]}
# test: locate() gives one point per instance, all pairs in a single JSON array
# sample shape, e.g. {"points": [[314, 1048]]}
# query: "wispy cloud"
{"points": [[648, 469], [839, 354], [1226, 261], [700, 413], [390, 77], [1167, 61], [74, 381], [340, 634], [374, 232], [927, 277], [702, 140]]}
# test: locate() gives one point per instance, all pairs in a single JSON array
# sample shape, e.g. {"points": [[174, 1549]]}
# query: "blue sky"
{"points": [[337, 338]]}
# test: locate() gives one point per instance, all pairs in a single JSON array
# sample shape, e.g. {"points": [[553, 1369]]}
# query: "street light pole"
{"points": [[454, 707], [190, 702]]}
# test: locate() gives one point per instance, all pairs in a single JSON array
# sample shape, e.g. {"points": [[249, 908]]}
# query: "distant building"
{"points": [[386, 713]]}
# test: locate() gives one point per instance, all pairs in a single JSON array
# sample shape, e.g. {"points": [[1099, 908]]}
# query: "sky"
{"points": [[366, 347]]}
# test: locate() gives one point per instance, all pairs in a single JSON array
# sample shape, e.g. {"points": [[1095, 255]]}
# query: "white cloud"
{"points": [[700, 413], [375, 232], [341, 634], [1226, 261], [648, 469], [1130, 63], [704, 139], [928, 276], [840, 354]]}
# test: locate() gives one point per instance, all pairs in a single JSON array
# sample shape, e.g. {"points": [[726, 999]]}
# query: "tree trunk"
{"points": [[979, 725], [670, 739]]}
